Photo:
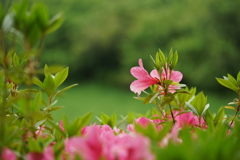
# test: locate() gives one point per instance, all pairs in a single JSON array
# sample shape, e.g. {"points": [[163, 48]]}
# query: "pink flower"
{"points": [[101, 142], [46, 155], [144, 80], [188, 119], [61, 125], [126, 147], [7, 154], [175, 76], [143, 121], [88, 148]]}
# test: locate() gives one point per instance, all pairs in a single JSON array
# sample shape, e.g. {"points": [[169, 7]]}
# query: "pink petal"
{"points": [[139, 72], [7, 154], [48, 153], [176, 76], [155, 74], [138, 86], [143, 121], [140, 63], [35, 156]]}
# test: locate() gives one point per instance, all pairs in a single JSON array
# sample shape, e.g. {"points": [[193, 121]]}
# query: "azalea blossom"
{"points": [[46, 155], [7, 154], [188, 119], [144, 80], [101, 142]]}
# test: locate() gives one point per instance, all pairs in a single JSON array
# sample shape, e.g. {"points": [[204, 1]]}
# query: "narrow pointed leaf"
{"points": [[60, 77], [230, 107], [228, 84]]}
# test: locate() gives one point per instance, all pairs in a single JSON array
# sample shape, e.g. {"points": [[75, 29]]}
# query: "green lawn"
{"points": [[98, 98]]}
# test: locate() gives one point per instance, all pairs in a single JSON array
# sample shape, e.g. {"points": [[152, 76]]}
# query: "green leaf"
{"points": [[232, 79], [46, 70], [186, 111], [164, 131], [63, 90], [49, 107], [34, 34], [180, 85], [155, 117], [155, 112], [150, 98], [54, 23], [219, 117], [60, 77], [113, 120], [42, 15], [192, 108], [49, 84], [85, 119], [175, 59], [170, 58], [228, 84], [158, 65], [34, 145], [131, 117], [40, 123], [205, 109], [16, 60], [168, 82], [38, 82], [37, 101], [238, 79], [104, 118], [186, 97], [65, 122], [121, 122], [148, 131], [55, 108], [177, 109], [208, 116], [162, 58], [2, 14], [74, 128], [199, 103], [230, 107], [7, 22]]}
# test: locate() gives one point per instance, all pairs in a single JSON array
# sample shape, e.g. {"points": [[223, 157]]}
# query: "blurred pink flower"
{"points": [[144, 80], [46, 155], [7, 154], [101, 142], [143, 121], [88, 147], [188, 119], [61, 125], [126, 147]]}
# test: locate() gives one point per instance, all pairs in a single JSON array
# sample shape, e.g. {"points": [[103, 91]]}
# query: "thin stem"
{"points": [[199, 120], [39, 49], [170, 107], [158, 106], [238, 108]]}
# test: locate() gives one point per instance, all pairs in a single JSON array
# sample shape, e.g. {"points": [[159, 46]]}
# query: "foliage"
{"points": [[180, 127]]}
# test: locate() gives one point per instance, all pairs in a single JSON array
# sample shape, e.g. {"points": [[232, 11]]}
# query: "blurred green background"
{"points": [[100, 40]]}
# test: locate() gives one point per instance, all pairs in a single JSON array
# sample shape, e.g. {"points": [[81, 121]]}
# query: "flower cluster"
{"points": [[144, 80]]}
